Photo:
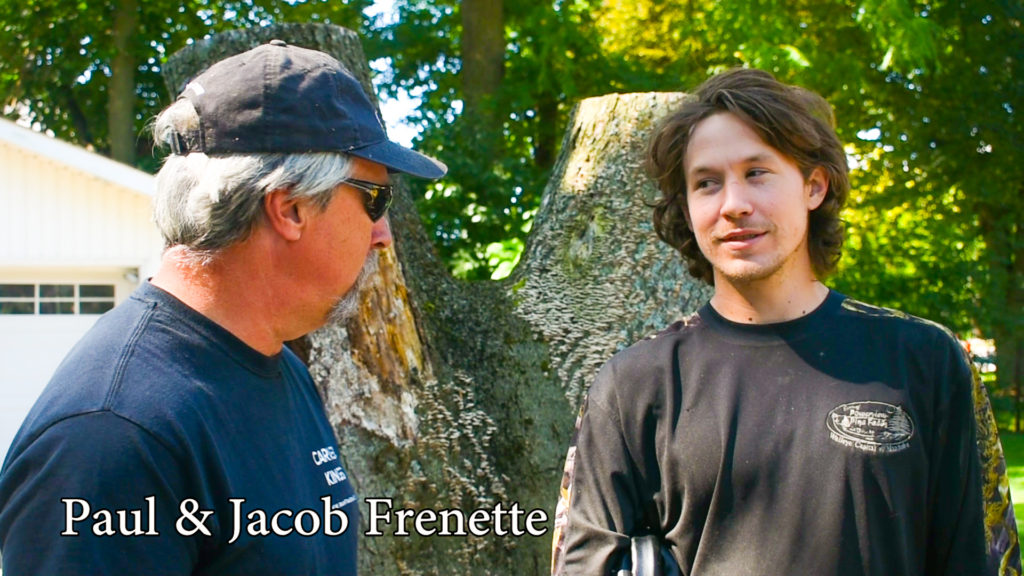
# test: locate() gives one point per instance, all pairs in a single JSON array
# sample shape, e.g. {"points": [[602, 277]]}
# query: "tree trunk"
{"points": [[480, 125], [1001, 228], [547, 133], [454, 395], [483, 56], [447, 394], [1010, 335], [121, 100]]}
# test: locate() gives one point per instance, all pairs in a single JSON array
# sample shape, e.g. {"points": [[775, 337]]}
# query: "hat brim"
{"points": [[398, 158]]}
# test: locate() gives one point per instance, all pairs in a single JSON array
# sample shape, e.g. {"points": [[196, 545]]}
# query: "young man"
{"points": [[180, 436], [783, 428]]}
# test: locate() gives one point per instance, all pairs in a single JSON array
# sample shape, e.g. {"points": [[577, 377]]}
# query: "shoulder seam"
{"points": [[690, 321], [35, 438], [127, 352], [871, 311]]}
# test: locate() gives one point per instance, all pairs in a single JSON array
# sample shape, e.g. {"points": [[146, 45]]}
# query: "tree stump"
{"points": [[453, 395], [447, 394]]}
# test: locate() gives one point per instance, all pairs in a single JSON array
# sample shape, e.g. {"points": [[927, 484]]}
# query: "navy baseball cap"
{"points": [[287, 99]]}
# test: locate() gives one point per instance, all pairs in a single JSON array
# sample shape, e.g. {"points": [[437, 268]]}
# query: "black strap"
{"points": [[178, 144], [182, 144]]}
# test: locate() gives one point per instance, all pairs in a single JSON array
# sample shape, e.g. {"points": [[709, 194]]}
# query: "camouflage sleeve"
{"points": [[1000, 523], [564, 499]]}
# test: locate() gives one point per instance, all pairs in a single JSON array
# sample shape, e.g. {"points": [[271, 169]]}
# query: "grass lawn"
{"points": [[1013, 447]]}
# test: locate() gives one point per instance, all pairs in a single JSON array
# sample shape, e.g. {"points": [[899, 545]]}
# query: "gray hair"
{"points": [[207, 203]]}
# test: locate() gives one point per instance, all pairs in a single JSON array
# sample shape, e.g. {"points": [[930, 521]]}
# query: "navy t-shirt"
{"points": [[162, 412]]}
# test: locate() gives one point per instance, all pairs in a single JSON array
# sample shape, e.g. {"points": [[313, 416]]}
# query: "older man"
{"points": [[180, 436]]}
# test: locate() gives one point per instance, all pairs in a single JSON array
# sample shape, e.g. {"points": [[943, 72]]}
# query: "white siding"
{"points": [[55, 215], [67, 216]]}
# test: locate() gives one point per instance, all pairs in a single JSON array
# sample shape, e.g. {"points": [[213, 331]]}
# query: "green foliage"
{"points": [[933, 219], [46, 58], [1013, 448], [926, 94], [55, 55], [947, 172], [491, 191], [919, 252]]}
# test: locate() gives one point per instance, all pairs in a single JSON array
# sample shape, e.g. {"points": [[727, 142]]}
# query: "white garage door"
{"points": [[39, 323], [31, 347]]}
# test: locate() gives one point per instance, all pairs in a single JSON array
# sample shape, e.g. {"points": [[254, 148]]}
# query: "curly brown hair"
{"points": [[795, 121]]}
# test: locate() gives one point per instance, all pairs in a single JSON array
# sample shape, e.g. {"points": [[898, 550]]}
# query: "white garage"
{"points": [[76, 235]]}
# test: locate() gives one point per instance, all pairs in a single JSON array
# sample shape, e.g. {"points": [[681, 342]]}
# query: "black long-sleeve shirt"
{"points": [[839, 443]]}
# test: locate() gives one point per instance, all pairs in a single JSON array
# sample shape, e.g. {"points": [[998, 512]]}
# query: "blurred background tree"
{"points": [[88, 71], [927, 94]]}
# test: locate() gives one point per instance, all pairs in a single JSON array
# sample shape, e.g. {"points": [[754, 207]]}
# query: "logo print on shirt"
{"points": [[874, 427]]}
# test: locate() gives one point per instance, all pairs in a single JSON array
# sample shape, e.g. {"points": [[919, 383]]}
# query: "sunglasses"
{"points": [[378, 196]]}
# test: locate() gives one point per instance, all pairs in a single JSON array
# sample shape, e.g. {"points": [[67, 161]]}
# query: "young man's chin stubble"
{"points": [[778, 265]]}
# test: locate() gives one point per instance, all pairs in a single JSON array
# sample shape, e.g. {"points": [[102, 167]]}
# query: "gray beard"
{"points": [[348, 305]]}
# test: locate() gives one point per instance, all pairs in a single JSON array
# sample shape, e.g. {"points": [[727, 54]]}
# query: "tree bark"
{"points": [[447, 394], [121, 100], [454, 395]]}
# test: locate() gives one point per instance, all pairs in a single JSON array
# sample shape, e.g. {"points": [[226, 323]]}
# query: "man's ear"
{"points": [[286, 215], [817, 188]]}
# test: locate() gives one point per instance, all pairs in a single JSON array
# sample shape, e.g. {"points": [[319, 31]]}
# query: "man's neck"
{"points": [[767, 301], [232, 298]]}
